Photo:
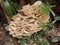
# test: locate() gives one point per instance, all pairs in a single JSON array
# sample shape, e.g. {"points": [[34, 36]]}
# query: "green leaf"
{"points": [[22, 41], [46, 28], [45, 42], [38, 40], [55, 39], [53, 6], [57, 18], [13, 8], [52, 12], [41, 41], [44, 7], [44, 31], [14, 5], [7, 8]]}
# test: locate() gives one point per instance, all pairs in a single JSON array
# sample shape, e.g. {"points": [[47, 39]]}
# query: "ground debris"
{"points": [[4, 39]]}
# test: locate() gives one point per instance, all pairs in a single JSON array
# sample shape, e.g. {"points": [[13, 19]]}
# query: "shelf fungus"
{"points": [[28, 21]]}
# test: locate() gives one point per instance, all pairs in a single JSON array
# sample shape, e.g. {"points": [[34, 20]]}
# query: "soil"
{"points": [[5, 39]]}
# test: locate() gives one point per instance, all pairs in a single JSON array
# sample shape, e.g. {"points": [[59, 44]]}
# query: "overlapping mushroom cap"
{"points": [[28, 21]]}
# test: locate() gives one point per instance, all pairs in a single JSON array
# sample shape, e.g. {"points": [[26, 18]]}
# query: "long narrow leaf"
{"points": [[7, 8], [13, 8]]}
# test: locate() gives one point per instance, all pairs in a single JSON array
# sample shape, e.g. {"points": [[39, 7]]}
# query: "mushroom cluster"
{"points": [[28, 21]]}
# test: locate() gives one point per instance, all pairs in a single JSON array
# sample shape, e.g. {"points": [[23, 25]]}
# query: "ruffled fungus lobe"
{"points": [[27, 21]]}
